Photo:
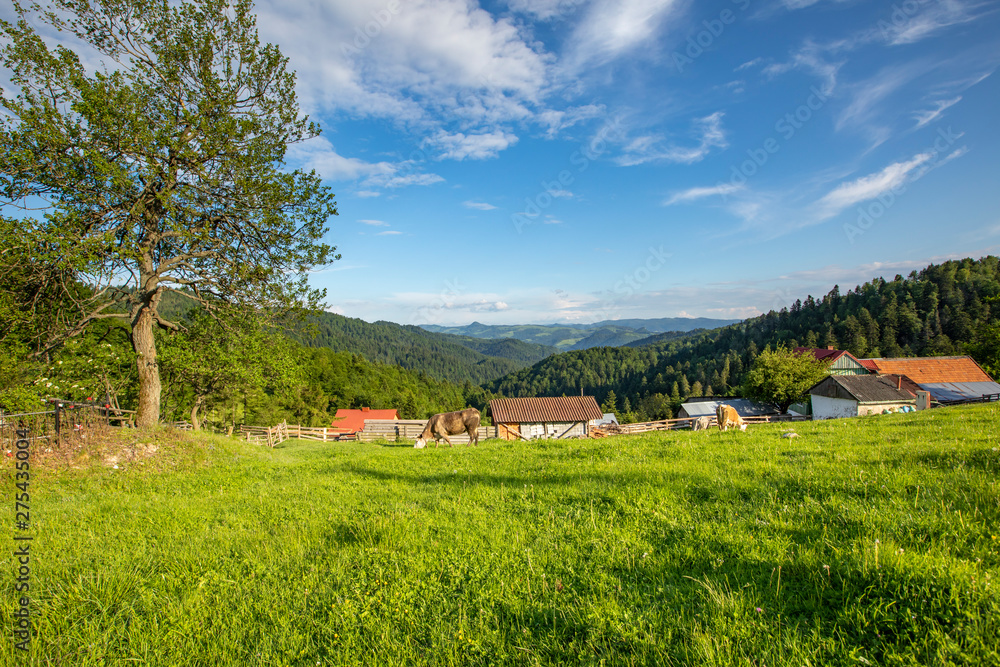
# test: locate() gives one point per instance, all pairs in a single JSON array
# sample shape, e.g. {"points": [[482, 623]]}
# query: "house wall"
{"points": [[878, 408], [532, 430], [824, 407]]}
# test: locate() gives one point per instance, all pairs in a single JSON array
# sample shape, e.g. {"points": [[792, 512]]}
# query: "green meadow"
{"points": [[871, 541]]}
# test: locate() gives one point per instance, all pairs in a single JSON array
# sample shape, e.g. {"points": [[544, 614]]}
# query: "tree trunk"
{"points": [[147, 413], [198, 402]]}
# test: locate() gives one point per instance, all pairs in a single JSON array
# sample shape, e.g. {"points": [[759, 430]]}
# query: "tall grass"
{"points": [[863, 541]]}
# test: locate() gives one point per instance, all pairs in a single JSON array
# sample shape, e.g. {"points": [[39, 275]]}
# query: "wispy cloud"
{"points": [[694, 194], [611, 28], [651, 148], [374, 223], [812, 58], [868, 187], [932, 18], [926, 116], [319, 154], [390, 232], [478, 205]]}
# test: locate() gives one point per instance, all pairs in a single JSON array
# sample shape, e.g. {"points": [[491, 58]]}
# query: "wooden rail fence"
{"points": [[410, 429], [682, 423], [269, 435]]}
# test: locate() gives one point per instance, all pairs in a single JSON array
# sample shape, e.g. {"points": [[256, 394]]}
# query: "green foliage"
{"points": [[781, 376], [225, 354], [863, 541], [986, 349], [446, 357], [164, 166]]}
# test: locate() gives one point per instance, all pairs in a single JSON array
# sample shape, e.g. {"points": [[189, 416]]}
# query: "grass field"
{"points": [[870, 541]]}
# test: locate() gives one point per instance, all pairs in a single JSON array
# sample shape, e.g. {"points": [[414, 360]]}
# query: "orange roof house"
{"points": [[948, 379], [353, 420], [933, 370]]}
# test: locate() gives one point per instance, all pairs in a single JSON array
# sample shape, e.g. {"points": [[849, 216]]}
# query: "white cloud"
{"points": [[693, 194], [459, 146], [812, 58], [928, 116], [612, 27], [390, 232], [869, 187], [433, 65], [909, 29], [320, 154], [652, 148], [374, 223], [478, 205], [367, 193], [748, 64]]}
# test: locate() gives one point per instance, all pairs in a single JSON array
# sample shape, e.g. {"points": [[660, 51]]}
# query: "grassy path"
{"points": [[865, 541]]}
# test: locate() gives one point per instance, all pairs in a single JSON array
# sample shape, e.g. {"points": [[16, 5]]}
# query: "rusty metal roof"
{"points": [[548, 409], [934, 370]]}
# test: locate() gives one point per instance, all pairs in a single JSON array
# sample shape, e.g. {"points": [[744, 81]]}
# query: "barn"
{"points": [[545, 417], [948, 379], [858, 395]]}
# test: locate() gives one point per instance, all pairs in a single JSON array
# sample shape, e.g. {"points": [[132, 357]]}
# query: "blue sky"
{"points": [[543, 161]]}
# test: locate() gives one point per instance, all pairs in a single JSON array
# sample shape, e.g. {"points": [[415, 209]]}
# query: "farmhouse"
{"points": [[858, 395], [948, 379], [351, 422], [839, 362], [707, 407], [528, 418]]}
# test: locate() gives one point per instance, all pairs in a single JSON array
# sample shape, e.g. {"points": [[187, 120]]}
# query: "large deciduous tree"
{"points": [[781, 376], [163, 167]]}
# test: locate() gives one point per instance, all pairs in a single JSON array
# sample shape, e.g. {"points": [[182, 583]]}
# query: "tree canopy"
{"points": [[781, 376], [161, 170]]}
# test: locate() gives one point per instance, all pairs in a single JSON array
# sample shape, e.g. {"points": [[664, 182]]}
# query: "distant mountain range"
{"points": [[566, 337]]}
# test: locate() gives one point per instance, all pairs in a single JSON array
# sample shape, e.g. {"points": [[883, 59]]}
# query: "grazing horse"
{"points": [[727, 416], [440, 426]]}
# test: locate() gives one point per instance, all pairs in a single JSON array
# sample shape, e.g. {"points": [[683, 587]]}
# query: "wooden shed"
{"points": [[547, 417]]}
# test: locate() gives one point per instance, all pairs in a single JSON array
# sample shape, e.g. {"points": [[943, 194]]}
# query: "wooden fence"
{"points": [[682, 423], [269, 435], [410, 429]]}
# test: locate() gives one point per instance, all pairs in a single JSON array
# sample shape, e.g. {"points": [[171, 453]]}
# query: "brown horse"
{"points": [[440, 426]]}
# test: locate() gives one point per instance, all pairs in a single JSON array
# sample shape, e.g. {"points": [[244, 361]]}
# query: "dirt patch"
{"points": [[86, 444]]}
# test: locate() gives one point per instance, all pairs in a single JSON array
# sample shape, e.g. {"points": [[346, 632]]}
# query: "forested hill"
{"points": [[453, 358], [944, 309]]}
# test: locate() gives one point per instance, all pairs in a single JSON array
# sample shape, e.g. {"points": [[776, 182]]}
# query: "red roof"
{"points": [[824, 354], [564, 409], [933, 370], [869, 364], [352, 421]]}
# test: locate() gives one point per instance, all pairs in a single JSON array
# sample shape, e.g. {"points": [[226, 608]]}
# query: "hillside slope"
{"points": [[443, 356]]}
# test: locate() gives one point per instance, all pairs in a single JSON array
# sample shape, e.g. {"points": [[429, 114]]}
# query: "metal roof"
{"points": [[863, 388], [933, 370], [959, 391], [547, 409], [744, 407]]}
